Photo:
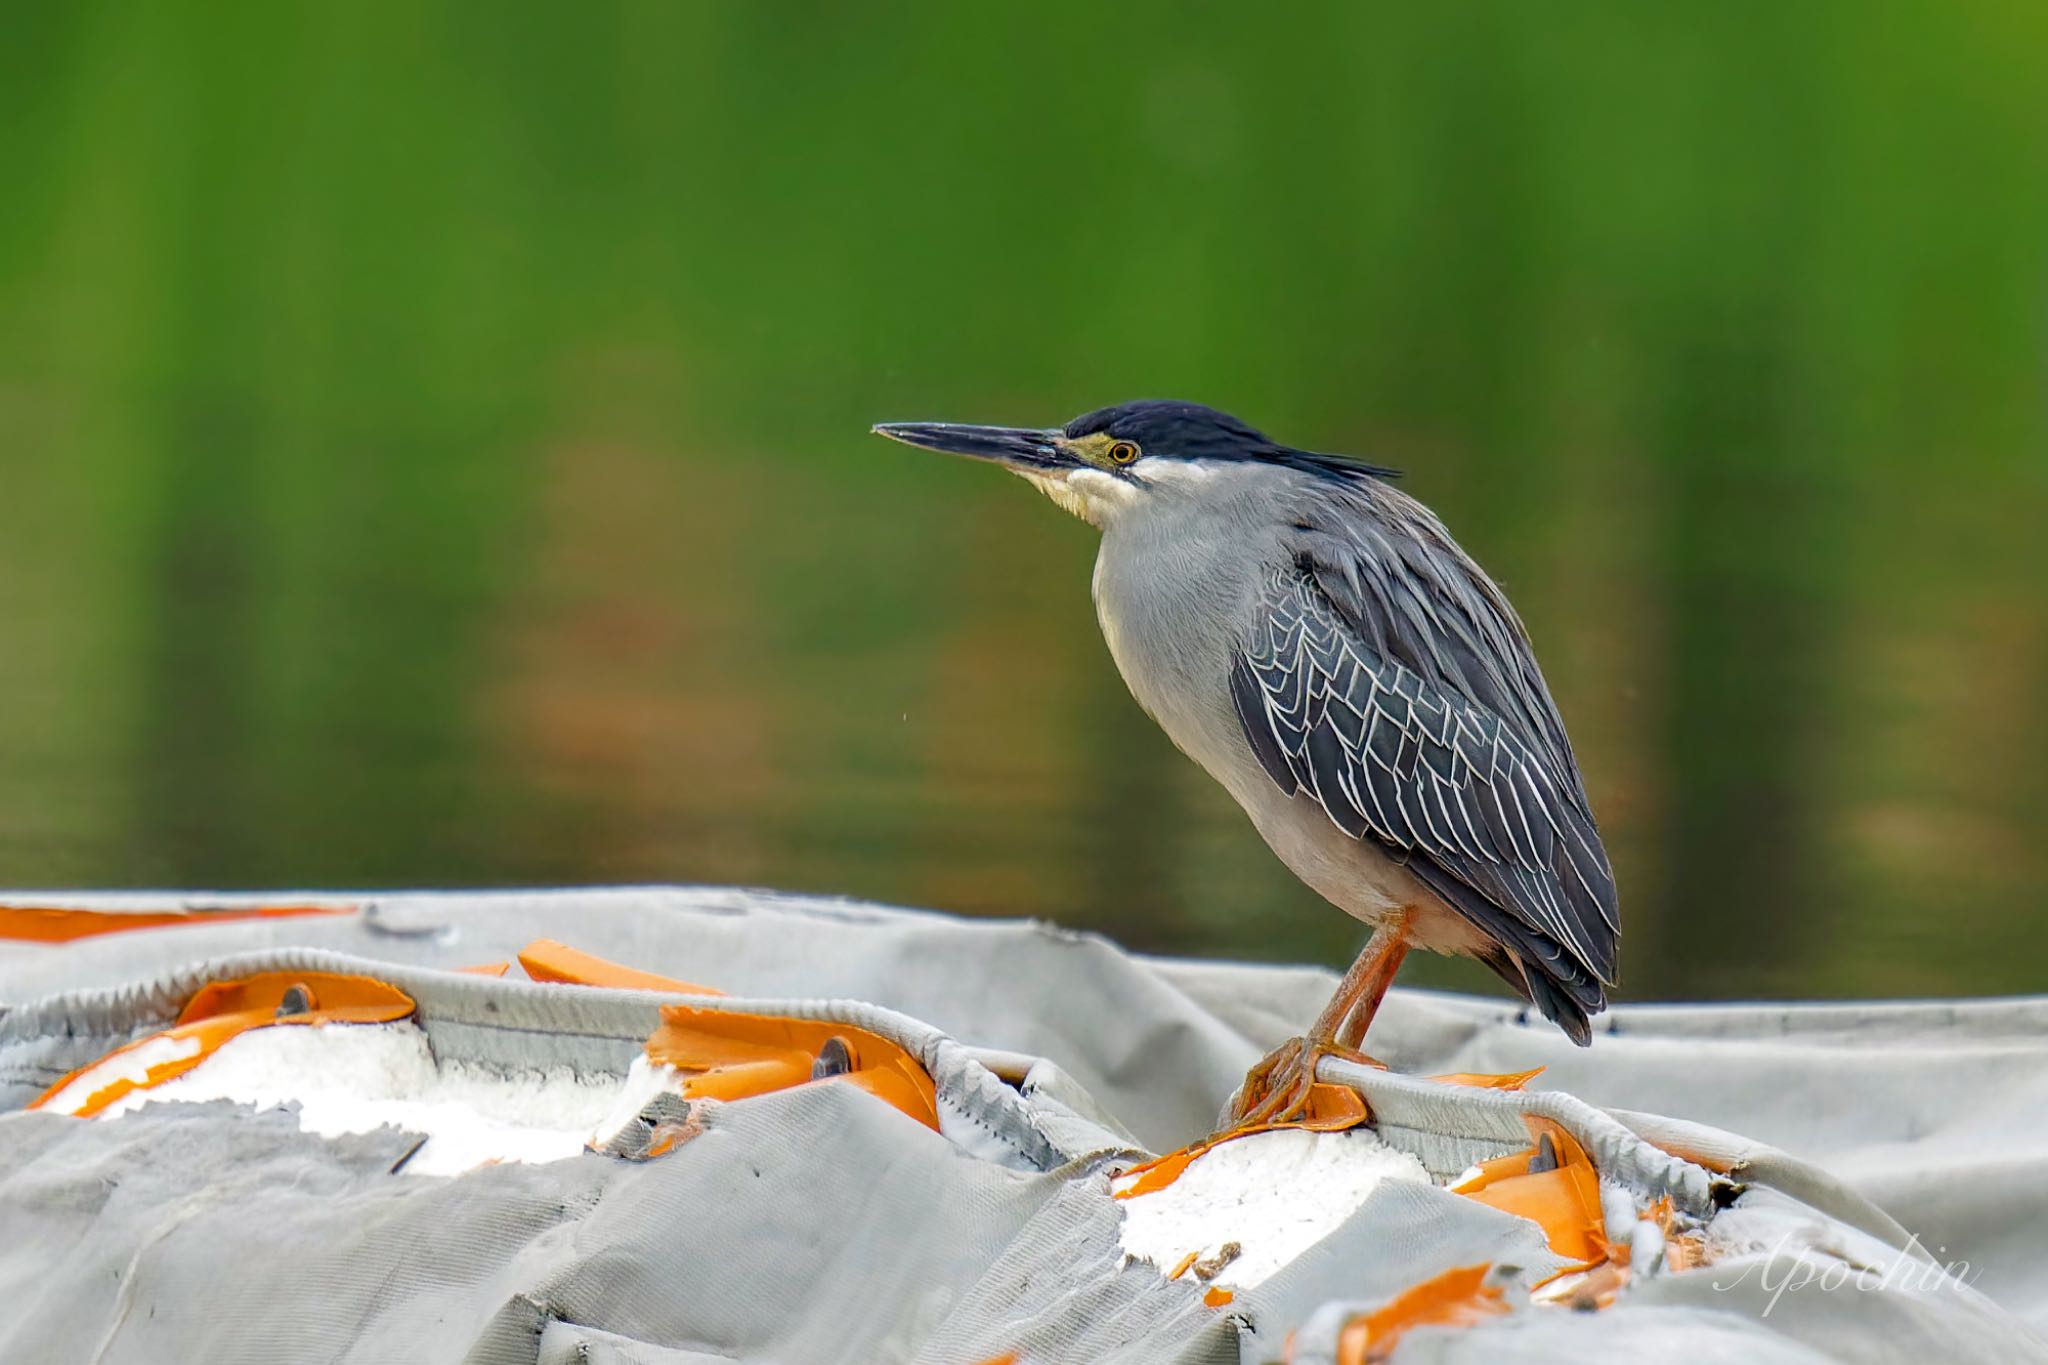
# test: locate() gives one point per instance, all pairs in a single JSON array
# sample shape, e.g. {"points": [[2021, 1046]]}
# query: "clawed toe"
{"points": [[1282, 1090]]}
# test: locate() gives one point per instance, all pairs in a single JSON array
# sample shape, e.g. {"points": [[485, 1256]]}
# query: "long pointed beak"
{"points": [[1015, 447]]}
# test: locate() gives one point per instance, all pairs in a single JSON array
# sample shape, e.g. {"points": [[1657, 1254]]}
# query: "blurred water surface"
{"points": [[432, 447]]}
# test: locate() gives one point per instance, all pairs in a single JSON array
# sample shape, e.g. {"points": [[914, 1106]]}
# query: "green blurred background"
{"points": [[432, 443]]}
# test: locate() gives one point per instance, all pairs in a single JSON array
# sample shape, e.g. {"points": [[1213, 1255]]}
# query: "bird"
{"points": [[1314, 638]]}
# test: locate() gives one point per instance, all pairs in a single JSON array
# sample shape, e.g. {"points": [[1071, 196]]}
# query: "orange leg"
{"points": [[1381, 960], [1277, 1089]]}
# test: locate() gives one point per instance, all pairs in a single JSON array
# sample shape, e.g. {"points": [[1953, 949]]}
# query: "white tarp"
{"points": [[1885, 1198]]}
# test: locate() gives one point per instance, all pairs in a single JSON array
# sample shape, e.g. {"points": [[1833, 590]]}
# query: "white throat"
{"points": [[1090, 494], [1096, 496]]}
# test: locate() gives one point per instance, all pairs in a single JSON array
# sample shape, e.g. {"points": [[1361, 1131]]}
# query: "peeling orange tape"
{"points": [[732, 1055], [1330, 1109], [1564, 1201], [66, 924], [219, 1012], [735, 1056], [546, 960], [1456, 1298], [1509, 1080]]}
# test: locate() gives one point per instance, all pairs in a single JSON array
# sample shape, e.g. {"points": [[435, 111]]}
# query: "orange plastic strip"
{"points": [[733, 1056], [1456, 1298], [1330, 1109], [66, 924], [1161, 1171], [1564, 1201], [485, 969], [546, 960], [221, 1011], [329, 997], [1510, 1080]]}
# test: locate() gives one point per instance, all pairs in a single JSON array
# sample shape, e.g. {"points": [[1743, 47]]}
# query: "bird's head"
{"points": [[1111, 459]]}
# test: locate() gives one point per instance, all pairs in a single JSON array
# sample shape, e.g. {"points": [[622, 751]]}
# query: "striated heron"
{"points": [[1315, 639]]}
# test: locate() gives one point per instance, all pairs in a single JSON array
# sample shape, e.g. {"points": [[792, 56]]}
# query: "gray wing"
{"points": [[1407, 704]]}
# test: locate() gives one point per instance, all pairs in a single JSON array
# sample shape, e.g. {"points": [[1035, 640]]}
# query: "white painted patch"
{"points": [[355, 1078], [133, 1065], [645, 1081], [1275, 1194]]}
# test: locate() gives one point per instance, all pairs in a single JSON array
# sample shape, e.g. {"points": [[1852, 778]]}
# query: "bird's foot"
{"points": [[1282, 1090]]}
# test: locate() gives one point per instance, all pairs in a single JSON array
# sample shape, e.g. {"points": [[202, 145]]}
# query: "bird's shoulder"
{"points": [[1395, 578]]}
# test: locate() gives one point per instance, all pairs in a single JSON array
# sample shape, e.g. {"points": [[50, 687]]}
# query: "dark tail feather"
{"points": [[1541, 970], [1570, 1004]]}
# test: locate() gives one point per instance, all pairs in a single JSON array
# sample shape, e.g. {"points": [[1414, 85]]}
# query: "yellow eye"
{"points": [[1122, 452]]}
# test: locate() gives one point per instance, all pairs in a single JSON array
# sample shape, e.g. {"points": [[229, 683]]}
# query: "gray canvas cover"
{"points": [[1904, 1141]]}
